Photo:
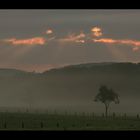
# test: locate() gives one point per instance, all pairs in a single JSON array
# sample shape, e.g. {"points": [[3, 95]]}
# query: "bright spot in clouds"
{"points": [[97, 32], [49, 31]]}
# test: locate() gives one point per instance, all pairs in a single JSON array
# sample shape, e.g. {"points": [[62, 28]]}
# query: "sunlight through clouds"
{"points": [[73, 38], [133, 43], [80, 38], [28, 42]]}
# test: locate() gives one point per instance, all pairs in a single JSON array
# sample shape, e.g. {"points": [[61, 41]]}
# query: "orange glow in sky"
{"points": [[134, 43], [28, 42]]}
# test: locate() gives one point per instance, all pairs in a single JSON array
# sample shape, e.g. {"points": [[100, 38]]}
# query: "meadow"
{"points": [[65, 122]]}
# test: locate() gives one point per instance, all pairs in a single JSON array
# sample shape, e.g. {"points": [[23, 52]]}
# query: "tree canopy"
{"points": [[107, 96]]}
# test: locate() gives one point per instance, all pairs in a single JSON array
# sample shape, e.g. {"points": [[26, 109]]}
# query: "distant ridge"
{"points": [[11, 72], [124, 65], [103, 66]]}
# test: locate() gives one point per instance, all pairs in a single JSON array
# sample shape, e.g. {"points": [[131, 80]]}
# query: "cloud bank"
{"points": [[95, 36]]}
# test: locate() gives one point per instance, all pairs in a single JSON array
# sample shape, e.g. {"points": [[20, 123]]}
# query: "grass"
{"points": [[36, 121]]}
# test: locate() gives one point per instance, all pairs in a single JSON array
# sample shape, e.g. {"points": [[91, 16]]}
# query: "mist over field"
{"points": [[72, 88], [57, 60]]}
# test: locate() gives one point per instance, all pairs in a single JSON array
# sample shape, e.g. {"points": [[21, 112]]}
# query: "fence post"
{"points": [[125, 115], [83, 114], [137, 116], [27, 111], [103, 115], [93, 115], [87, 124], [114, 115], [66, 113], [57, 124], [41, 124], [73, 125], [5, 125], [22, 124], [55, 112]]}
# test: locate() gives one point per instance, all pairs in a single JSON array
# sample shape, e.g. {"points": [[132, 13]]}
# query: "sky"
{"points": [[37, 40]]}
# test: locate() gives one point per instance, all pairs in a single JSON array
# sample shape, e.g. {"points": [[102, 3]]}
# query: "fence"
{"points": [[66, 122]]}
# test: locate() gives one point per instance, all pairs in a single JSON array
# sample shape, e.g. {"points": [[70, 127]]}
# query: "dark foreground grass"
{"points": [[35, 121]]}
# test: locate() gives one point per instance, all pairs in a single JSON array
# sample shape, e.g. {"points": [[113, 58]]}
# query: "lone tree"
{"points": [[106, 96]]}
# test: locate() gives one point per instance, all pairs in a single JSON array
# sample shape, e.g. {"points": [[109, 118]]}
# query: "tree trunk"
{"points": [[106, 110]]}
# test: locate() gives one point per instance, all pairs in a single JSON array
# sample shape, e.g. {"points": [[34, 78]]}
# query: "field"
{"points": [[44, 121]]}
